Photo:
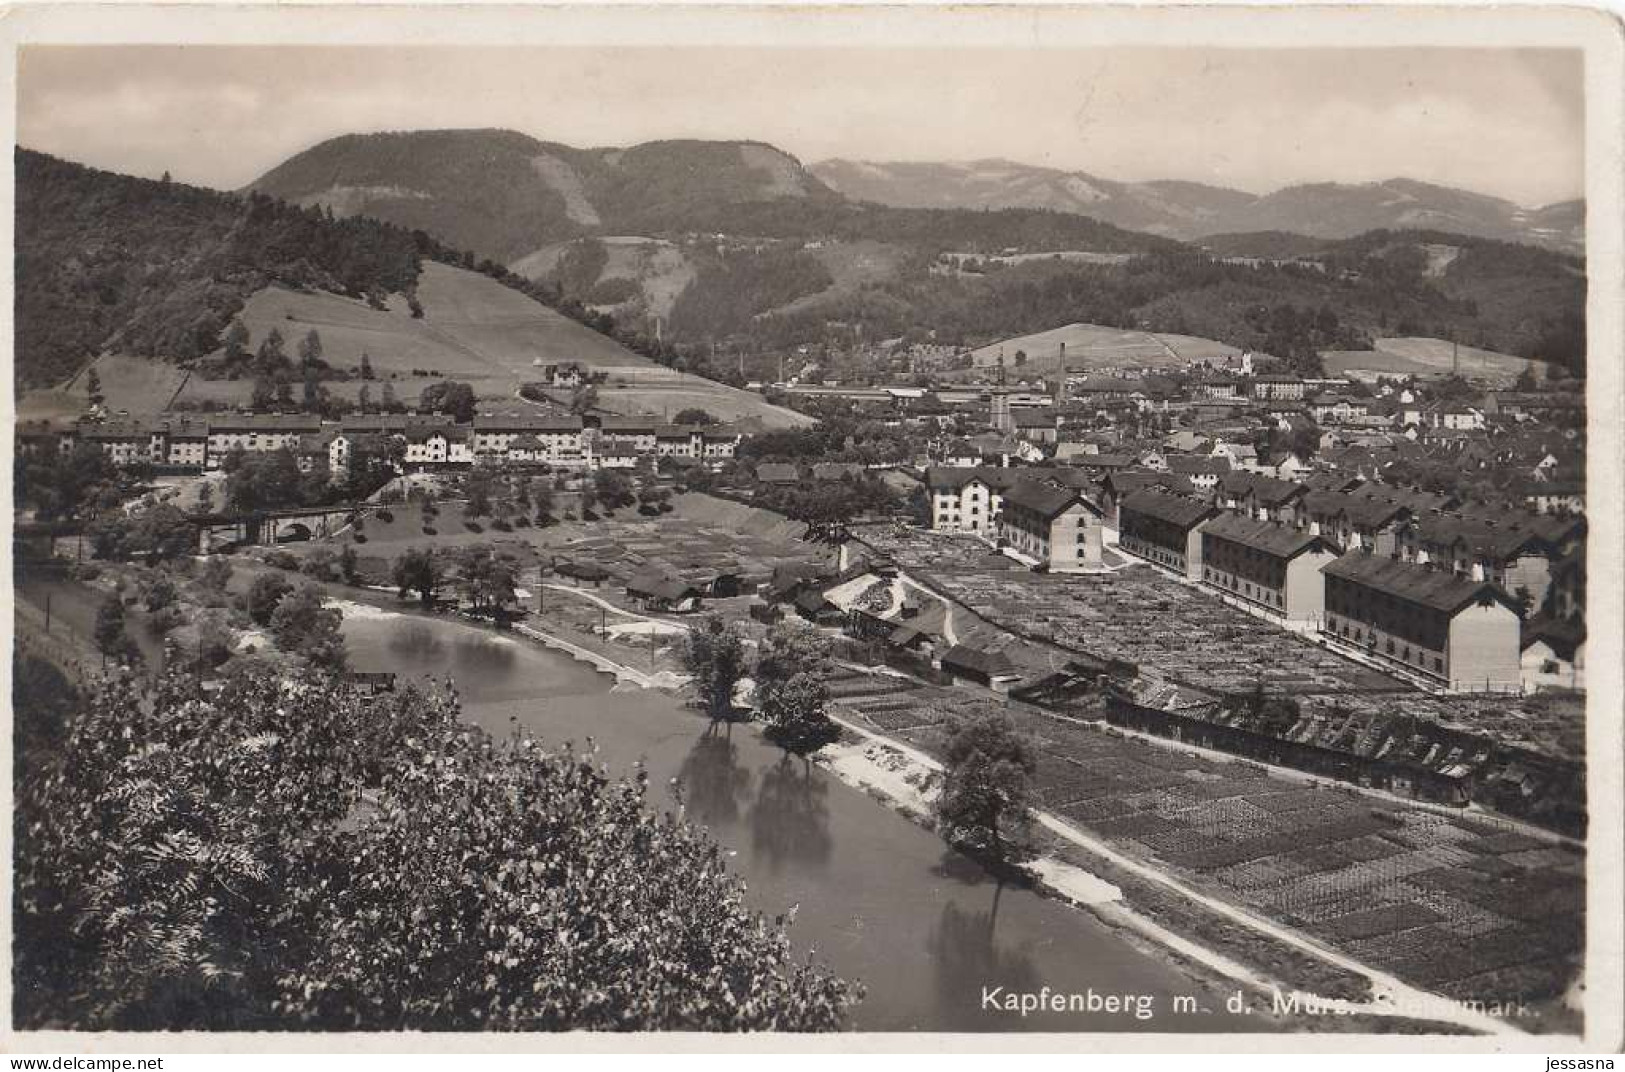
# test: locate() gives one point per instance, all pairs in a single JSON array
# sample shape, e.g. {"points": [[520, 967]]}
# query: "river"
{"points": [[879, 898]]}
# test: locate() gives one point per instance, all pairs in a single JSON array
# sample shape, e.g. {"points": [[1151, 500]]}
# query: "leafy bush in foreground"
{"points": [[298, 854]]}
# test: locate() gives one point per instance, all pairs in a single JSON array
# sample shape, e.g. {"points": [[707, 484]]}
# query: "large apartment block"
{"points": [[1164, 527], [1275, 567], [1056, 526], [1460, 633], [431, 440]]}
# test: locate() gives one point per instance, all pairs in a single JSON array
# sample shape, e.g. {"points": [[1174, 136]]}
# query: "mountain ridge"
{"points": [[1189, 211]]}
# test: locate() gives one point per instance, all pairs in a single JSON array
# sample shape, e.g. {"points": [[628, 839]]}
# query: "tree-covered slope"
{"points": [[158, 269]]}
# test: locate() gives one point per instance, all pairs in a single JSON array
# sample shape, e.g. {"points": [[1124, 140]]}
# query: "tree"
{"points": [[695, 415], [295, 854], [792, 692], [584, 398], [265, 481], [477, 485], [310, 350], [984, 805], [714, 653], [366, 366], [216, 573], [487, 578], [612, 489], [263, 396], [456, 399], [349, 566], [159, 534], [363, 398], [541, 498], [270, 358], [236, 342], [93, 388], [418, 570], [321, 563], [302, 626], [110, 635], [158, 593], [264, 595]]}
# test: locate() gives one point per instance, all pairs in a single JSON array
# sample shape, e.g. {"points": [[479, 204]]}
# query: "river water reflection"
{"points": [[880, 899]]}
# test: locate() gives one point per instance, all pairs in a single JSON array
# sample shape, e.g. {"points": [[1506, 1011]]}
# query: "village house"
{"points": [[1511, 551], [1035, 426], [780, 473], [1259, 496], [966, 499], [991, 669], [653, 589], [1337, 409], [1278, 387], [1215, 387], [1202, 472], [256, 433], [557, 439]]}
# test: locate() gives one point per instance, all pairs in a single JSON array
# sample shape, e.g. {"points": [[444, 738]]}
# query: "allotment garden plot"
{"points": [[1454, 904], [1164, 627]]}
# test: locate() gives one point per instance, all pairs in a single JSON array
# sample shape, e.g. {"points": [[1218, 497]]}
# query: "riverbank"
{"points": [[902, 777]]}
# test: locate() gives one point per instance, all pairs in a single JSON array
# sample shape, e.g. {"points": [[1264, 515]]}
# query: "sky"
{"points": [[1506, 122]]}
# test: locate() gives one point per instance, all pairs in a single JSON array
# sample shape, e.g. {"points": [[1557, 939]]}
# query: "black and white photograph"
{"points": [[778, 523]]}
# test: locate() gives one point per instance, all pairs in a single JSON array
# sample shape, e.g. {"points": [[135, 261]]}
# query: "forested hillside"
{"points": [[159, 269], [1509, 298]]}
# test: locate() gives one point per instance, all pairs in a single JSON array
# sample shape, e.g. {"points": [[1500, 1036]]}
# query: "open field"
{"points": [[851, 266], [136, 384], [659, 268], [701, 534], [1452, 904], [1093, 346], [1423, 357], [1071, 256], [479, 332]]}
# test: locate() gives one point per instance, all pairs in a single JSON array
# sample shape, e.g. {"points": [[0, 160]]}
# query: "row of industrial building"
{"points": [[196, 444], [1408, 580]]}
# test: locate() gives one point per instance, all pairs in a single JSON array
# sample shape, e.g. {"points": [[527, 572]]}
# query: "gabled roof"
{"points": [[1180, 510], [501, 423], [952, 478], [835, 470], [1434, 588], [657, 584], [1267, 490], [991, 663], [1129, 480], [778, 473], [1277, 541], [1486, 537], [1046, 500], [1194, 465]]}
